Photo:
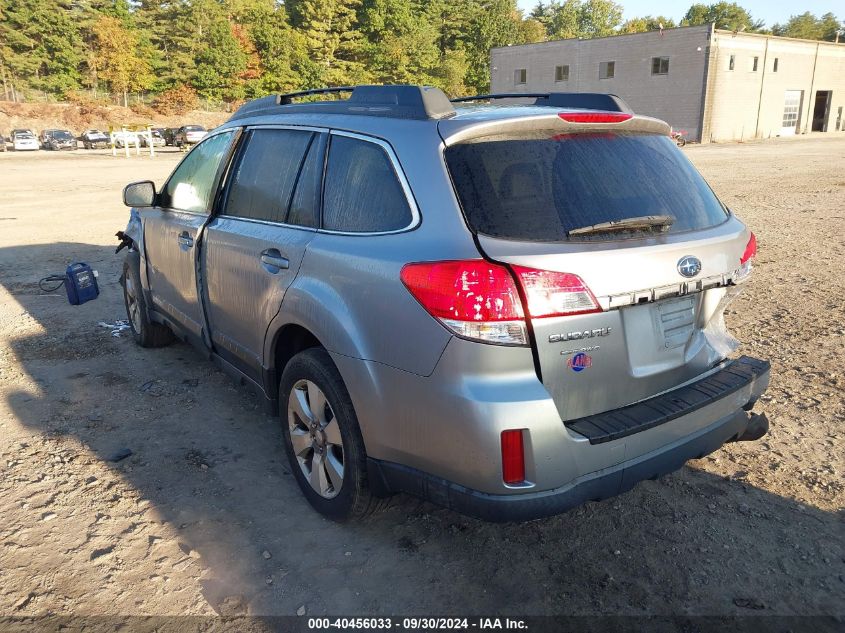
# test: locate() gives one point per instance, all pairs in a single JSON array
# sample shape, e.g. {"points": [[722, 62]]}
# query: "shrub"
{"points": [[177, 100]]}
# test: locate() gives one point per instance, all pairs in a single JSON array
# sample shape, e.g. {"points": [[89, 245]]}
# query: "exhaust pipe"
{"points": [[758, 426]]}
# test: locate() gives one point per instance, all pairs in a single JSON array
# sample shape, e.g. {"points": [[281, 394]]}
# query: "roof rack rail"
{"points": [[391, 101], [287, 99], [582, 100]]}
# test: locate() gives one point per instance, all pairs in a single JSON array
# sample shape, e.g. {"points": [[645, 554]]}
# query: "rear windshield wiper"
{"points": [[662, 222]]}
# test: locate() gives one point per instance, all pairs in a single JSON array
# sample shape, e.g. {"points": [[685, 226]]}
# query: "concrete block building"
{"points": [[718, 85]]}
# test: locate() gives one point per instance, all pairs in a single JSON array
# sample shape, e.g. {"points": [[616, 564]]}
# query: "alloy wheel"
{"points": [[315, 437]]}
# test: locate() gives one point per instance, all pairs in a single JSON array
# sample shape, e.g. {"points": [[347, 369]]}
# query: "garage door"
{"points": [[791, 110]]}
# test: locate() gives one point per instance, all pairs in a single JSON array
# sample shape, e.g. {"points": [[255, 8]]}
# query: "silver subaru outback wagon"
{"points": [[506, 309]]}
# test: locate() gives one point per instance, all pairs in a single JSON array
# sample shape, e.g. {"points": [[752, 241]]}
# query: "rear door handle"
{"points": [[273, 261], [185, 240]]}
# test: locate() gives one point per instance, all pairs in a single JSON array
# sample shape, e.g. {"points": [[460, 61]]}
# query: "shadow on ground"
{"points": [[208, 462]]}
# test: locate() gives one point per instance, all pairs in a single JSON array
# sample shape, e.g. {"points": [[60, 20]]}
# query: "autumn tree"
{"points": [[116, 53]]}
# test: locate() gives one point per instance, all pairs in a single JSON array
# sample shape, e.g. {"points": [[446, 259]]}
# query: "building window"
{"points": [[520, 76], [659, 65], [561, 73], [754, 64], [606, 70], [731, 62], [775, 66]]}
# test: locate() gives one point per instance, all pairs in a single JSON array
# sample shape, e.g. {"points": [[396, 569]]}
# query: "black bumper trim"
{"points": [[619, 423], [388, 477]]}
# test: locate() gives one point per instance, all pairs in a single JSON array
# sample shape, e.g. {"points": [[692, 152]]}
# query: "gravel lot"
{"points": [[205, 518]]}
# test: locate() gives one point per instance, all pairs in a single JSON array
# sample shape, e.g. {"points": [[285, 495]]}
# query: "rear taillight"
{"points": [[475, 299], [513, 457], [750, 249], [555, 294], [479, 300], [594, 117]]}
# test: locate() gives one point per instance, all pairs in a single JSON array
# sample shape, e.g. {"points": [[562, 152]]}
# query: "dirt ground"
{"points": [[204, 517]]}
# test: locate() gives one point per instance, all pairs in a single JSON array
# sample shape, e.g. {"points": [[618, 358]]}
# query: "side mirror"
{"points": [[140, 194]]}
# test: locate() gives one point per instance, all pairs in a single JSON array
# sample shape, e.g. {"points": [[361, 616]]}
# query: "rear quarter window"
{"points": [[362, 190], [541, 187]]}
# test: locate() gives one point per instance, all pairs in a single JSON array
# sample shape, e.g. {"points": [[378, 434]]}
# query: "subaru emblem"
{"points": [[689, 266]]}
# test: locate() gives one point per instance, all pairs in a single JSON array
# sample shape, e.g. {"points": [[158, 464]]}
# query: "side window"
{"points": [[263, 181], [190, 186], [362, 191], [305, 208]]}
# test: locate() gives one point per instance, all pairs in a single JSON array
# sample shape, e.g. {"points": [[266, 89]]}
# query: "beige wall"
{"points": [[676, 98], [737, 105], [742, 104]]}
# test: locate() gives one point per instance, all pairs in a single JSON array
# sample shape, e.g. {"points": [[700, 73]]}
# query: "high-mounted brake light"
{"points": [[479, 300], [513, 457], [750, 249], [594, 117]]}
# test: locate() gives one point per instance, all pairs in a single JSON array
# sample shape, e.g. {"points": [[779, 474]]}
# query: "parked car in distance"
{"points": [[189, 135], [158, 139], [57, 140], [24, 141], [122, 138], [169, 135], [467, 304], [93, 139]]}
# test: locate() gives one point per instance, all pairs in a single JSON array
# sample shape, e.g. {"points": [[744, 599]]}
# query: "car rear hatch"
{"points": [[625, 257]]}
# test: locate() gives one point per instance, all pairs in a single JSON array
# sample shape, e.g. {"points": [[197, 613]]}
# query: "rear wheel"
{"points": [[145, 332], [322, 437]]}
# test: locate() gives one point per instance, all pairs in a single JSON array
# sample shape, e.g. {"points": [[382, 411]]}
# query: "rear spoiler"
{"points": [[459, 130], [580, 100]]}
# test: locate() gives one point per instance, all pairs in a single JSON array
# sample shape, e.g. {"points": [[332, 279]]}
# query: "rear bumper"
{"points": [[596, 486], [691, 422]]}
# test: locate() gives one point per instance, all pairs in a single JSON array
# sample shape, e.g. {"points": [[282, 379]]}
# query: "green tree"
{"points": [[726, 15], [807, 26], [598, 18], [560, 19], [331, 38], [220, 64], [39, 46], [646, 23], [401, 45]]}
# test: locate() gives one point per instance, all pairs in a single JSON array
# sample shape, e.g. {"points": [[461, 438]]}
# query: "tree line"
{"points": [[231, 50]]}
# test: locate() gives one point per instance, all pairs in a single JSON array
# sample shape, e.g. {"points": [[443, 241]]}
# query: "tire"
{"points": [[682, 141], [145, 332], [351, 498]]}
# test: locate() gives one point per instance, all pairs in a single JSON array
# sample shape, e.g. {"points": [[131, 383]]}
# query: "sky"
{"points": [[771, 11]]}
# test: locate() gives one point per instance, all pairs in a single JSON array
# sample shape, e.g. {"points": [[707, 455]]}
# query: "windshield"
{"points": [[550, 187], [61, 135]]}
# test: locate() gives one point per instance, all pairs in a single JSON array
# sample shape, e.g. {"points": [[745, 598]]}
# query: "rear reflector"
{"points": [[750, 249], [513, 457], [552, 294], [473, 298], [594, 117]]}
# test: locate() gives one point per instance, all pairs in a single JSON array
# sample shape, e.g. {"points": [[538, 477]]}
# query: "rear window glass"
{"points": [[543, 186]]}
